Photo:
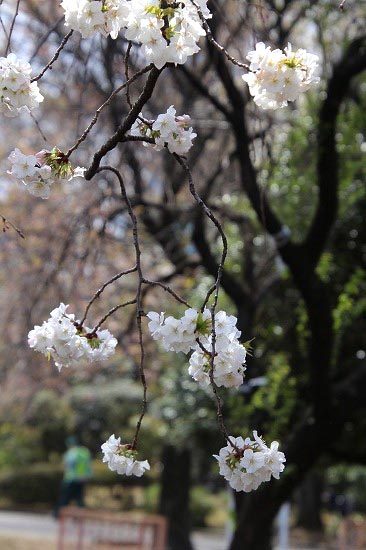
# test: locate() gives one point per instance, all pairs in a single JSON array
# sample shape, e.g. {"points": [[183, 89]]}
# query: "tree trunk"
{"points": [[255, 521], [309, 502], [174, 497]]}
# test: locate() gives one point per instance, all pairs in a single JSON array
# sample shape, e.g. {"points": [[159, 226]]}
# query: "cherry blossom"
{"points": [[89, 17], [62, 338], [38, 172], [167, 130], [17, 92], [277, 77], [245, 464], [166, 34], [193, 333], [122, 458]]}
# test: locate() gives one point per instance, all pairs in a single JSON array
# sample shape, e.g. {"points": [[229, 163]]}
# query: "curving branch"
{"points": [[233, 288], [7, 224], [54, 57], [353, 62], [127, 123], [105, 104]]}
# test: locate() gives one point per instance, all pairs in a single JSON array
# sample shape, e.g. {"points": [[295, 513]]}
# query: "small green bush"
{"points": [[201, 505], [40, 483]]}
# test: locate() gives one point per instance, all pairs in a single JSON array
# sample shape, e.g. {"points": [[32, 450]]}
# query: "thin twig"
{"points": [[127, 123], [200, 345], [101, 289], [126, 60], [4, 28], [208, 296], [215, 289], [38, 127], [55, 57], [110, 312], [138, 299], [45, 37], [167, 289], [211, 39], [7, 223], [7, 50], [107, 102], [208, 213]]}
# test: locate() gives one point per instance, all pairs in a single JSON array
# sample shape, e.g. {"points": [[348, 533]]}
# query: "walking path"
{"points": [[29, 527], [29, 531]]}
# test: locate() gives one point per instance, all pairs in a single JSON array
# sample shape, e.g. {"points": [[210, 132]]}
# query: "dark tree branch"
{"points": [[352, 64], [197, 83], [233, 288], [126, 124], [308, 442]]}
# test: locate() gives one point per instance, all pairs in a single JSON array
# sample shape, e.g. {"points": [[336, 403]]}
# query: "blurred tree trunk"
{"points": [[309, 502], [174, 497]]}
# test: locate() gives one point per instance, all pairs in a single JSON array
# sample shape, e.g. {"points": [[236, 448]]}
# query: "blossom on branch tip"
{"points": [[68, 343], [277, 77], [38, 172], [17, 92], [167, 130], [192, 333], [245, 464], [92, 16], [122, 458], [168, 33]]}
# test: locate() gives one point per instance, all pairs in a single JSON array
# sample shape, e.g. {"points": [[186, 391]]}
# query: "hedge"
{"points": [[40, 483]]}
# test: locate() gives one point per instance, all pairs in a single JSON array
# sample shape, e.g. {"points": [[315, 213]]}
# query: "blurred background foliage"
{"points": [[80, 237]]}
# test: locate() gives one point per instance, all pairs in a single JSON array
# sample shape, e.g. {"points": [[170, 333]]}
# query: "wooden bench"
{"points": [[352, 535], [81, 529]]}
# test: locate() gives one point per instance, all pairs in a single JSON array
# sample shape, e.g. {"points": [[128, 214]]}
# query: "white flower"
{"points": [[38, 172], [38, 187], [183, 334], [61, 338], [155, 324], [122, 459], [252, 461], [176, 334], [247, 464], [167, 130], [22, 165], [167, 35], [166, 123], [92, 16], [17, 92], [110, 447], [277, 77], [228, 363]]}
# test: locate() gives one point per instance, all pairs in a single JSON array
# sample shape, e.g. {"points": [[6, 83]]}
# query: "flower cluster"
{"points": [[278, 77], [122, 458], [168, 34], [38, 172], [68, 343], [193, 333], [92, 16], [247, 464], [167, 130], [17, 92]]}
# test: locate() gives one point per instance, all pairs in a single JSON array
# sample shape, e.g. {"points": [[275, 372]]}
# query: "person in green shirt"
{"points": [[77, 471]]}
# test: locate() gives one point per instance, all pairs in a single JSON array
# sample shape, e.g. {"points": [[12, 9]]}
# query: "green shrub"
{"points": [[202, 503], [151, 496], [40, 483]]}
